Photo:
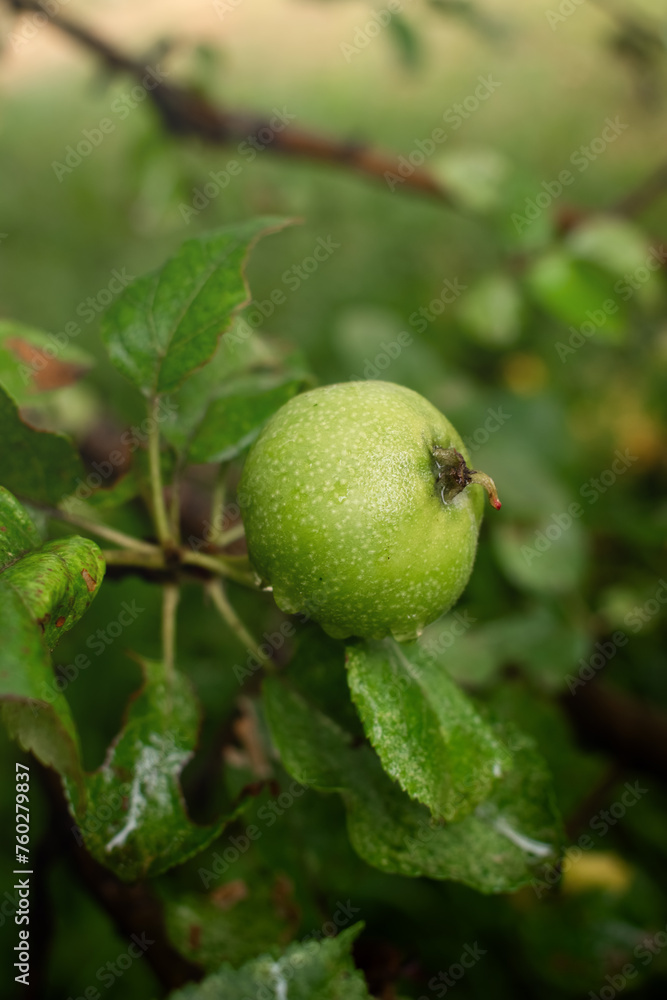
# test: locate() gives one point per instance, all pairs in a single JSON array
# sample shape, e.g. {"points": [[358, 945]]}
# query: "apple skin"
{"points": [[343, 517]]}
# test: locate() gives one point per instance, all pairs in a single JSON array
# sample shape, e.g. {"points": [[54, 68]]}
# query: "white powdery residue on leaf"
{"points": [[154, 768], [137, 806]]}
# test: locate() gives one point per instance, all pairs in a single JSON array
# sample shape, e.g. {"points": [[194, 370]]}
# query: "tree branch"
{"points": [[186, 112]]}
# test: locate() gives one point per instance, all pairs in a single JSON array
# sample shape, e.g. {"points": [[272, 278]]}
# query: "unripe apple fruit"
{"points": [[360, 511]]}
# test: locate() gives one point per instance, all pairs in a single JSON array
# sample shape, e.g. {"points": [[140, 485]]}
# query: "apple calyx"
{"points": [[454, 475]]}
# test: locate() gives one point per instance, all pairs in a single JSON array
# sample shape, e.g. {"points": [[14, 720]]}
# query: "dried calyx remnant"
{"points": [[454, 475]]}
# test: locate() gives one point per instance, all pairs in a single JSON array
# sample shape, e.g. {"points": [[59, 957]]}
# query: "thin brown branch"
{"points": [[186, 112]]}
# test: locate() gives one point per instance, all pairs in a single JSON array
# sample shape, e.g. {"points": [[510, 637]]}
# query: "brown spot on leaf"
{"points": [[229, 894], [2, 527], [42, 622], [194, 936], [47, 372], [90, 583], [60, 621]]}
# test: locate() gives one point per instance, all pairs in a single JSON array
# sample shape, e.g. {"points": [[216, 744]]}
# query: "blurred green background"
{"points": [[562, 413]]}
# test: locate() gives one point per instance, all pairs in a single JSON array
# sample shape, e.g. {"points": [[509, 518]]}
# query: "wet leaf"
{"points": [[426, 731], [497, 848], [136, 821]]}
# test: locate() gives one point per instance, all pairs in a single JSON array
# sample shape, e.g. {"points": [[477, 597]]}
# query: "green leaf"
{"points": [[167, 324], [616, 244], [472, 15], [491, 311], [35, 464], [495, 849], [533, 561], [18, 534], [33, 362], [124, 489], [233, 420], [44, 590], [407, 41], [236, 922], [315, 970], [221, 408], [574, 291], [476, 177], [426, 731], [57, 583], [317, 669], [545, 645], [34, 712], [136, 820]]}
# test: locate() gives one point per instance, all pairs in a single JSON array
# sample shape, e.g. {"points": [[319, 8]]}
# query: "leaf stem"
{"points": [[229, 616], [221, 566], [130, 557], [170, 597], [104, 531], [155, 559], [220, 538], [157, 489], [231, 535], [175, 511]]}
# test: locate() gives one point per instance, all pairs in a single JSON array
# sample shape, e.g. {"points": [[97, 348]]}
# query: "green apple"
{"points": [[360, 511]]}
